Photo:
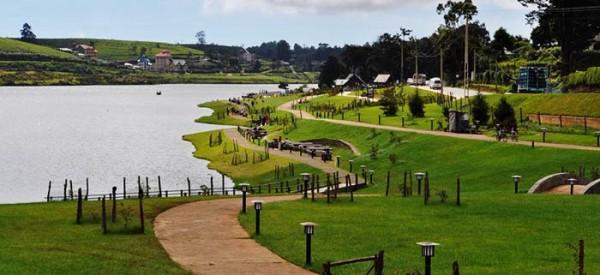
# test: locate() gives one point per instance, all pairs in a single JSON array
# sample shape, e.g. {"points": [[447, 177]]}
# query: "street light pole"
{"points": [[309, 230], [305, 177], [244, 187], [419, 178], [428, 251], [516, 179], [257, 208]]}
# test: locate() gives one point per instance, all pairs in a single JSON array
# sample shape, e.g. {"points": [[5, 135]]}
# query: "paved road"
{"points": [[453, 91]]}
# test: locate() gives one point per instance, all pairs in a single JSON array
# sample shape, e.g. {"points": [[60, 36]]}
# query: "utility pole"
{"points": [[466, 69], [442, 72], [474, 66]]}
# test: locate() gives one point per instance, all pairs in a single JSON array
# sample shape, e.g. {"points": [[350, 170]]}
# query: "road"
{"points": [[453, 91]]}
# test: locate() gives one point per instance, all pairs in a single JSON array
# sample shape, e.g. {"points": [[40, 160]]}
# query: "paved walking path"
{"points": [[205, 237]]}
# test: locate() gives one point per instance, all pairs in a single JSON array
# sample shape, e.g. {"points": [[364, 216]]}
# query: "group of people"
{"points": [[502, 135]]}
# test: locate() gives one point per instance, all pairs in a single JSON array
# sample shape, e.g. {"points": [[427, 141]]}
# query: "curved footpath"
{"points": [[205, 237]]}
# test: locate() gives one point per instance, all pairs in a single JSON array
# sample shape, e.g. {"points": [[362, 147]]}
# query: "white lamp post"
{"points": [[420, 177], [257, 207], [516, 179], [572, 182], [309, 230], [244, 187], [428, 251]]}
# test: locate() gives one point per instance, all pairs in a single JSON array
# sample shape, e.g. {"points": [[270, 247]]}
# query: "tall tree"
{"points": [[201, 37], [573, 23], [330, 71], [27, 35], [283, 51], [502, 42]]}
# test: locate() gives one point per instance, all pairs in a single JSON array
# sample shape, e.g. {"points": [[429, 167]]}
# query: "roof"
{"points": [[84, 46], [342, 82], [178, 62], [164, 53], [382, 78]]}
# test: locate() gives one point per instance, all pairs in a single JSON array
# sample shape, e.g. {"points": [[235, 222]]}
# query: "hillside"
{"points": [[122, 50], [576, 104], [12, 47]]}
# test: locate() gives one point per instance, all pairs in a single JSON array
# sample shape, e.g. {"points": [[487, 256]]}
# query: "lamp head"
{"points": [[309, 227], [305, 176], [516, 178], [420, 175], [257, 205], [428, 248], [244, 187]]}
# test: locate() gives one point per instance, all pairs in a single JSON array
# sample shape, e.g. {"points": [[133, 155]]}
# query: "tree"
{"points": [[389, 102], [502, 42], [201, 37], [330, 71], [417, 106], [283, 51], [572, 23], [480, 110], [505, 114], [27, 35]]}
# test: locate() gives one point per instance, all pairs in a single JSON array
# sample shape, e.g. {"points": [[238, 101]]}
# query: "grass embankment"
{"points": [[13, 46], [43, 238], [493, 232], [255, 173]]}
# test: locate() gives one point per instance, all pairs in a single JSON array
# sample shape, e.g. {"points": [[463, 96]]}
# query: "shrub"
{"points": [[505, 114], [480, 109], [416, 105], [389, 103]]}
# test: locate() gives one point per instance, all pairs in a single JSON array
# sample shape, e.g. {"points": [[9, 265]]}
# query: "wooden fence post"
{"points": [[159, 188], [114, 204], [387, 186], [580, 269], [222, 184], [71, 189], [49, 188], [79, 206], [455, 268], [147, 188], [458, 190], [65, 191], [189, 187], [379, 263], [140, 199], [104, 215], [211, 186]]}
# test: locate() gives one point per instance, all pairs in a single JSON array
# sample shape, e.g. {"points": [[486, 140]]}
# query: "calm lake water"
{"points": [[103, 133]]}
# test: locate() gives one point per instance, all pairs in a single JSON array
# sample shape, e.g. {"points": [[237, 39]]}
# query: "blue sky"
{"points": [[244, 22]]}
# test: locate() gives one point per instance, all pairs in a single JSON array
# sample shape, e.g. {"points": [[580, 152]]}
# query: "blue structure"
{"points": [[533, 79]]}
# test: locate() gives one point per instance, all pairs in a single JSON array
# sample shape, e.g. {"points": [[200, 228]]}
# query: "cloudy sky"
{"points": [[244, 22]]}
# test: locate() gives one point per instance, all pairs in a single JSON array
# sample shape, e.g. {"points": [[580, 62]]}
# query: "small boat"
{"points": [[158, 92]]}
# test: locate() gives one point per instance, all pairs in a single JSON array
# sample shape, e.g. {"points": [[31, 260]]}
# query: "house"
{"points": [[179, 65], [163, 62], [245, 56], [383, 80], [86, 50], [144, 63], [351, 82]]}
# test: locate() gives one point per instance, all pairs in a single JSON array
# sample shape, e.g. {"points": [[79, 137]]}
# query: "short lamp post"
{"points": [[572, 182], [244, 187], [362, 168], [338, 159], [431, 123], [309, 230], [257, 207], [305, 178], [544, 130], [351, 162], [420, 177], [428, 251], [371, 176], [516, 179], [598, 139]]}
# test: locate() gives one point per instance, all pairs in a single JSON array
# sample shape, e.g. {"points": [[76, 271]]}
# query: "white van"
{"points": [[435, 83]]}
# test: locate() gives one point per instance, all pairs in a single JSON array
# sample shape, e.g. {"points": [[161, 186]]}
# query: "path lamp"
{"points": [[362, 168], [477, 126], [358, 112], [572, 182], [431, 123], [402, 121], [428, 251], [371, 176], [516, 179], [544, 130], [309, 230], [257, 207], [420, 177], [338, 159], [351, 162], [598, 139], [305, 178], [244, 187]]}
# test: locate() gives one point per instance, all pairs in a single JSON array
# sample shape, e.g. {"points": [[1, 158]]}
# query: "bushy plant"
{"points": [[505, 114], [480, 109], [416, 105], [389, 103]]}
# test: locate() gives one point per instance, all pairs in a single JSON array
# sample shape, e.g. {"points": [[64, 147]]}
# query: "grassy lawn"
{"points": [[261, 172], [15, 46], [43, 238]]}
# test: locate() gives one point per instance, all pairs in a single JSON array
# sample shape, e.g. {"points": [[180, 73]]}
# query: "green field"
{"points": [[13, 46], [122, 50]]}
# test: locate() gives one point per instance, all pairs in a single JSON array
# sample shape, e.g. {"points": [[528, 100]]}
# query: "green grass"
{"points": [[122, 50], [43, 238], [493, 232], [573, 104], [8, 45], [253, 173]]}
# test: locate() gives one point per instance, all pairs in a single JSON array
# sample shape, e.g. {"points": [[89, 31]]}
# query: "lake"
{"points": [[103, 133]]}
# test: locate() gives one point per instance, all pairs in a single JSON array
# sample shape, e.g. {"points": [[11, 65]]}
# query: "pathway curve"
{"points": [[205, 237], [288, 108]]}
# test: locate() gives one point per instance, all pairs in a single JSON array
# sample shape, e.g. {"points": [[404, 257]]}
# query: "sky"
{"points": [[245, 22]]}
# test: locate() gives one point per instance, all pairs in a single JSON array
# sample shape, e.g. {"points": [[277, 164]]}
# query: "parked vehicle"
{"points": [[410, 81], [435, 83], [419, 79]]}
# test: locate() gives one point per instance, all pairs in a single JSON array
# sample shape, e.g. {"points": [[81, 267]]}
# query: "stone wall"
{"points": [[591, 122], [548, 183], [592, 188]]}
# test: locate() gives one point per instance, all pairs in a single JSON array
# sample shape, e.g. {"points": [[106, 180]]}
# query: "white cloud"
{"points": [[335, 6]]}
